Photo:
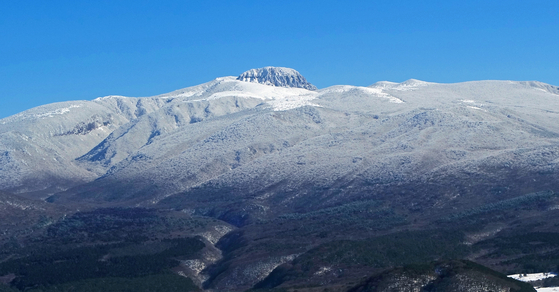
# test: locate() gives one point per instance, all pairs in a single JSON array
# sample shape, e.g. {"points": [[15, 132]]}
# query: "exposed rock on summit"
{"points": [[276, 76]]}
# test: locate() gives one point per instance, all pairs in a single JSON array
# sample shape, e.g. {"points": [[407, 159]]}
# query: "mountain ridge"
{"points": [[95, 127]]}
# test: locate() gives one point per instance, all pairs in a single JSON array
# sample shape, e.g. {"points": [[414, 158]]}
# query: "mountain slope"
{"points": [[39, 145], [63, 132], [353, 135]]}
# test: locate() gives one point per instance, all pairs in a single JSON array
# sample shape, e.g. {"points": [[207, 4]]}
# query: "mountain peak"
{"points": [[276, 76]]}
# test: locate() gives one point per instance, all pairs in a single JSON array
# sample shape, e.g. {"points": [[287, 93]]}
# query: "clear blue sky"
{"points": [[67, 50]]}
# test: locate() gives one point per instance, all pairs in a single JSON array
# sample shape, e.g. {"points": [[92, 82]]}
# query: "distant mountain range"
{"points": [[268, 145]]}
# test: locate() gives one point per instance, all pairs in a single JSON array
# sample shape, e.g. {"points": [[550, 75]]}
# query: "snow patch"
{"points": [[384, 84], [219, 95], [475, 107], [291, 102], [195, 265], [374, 91], [279, 98], [59, 111], [410, 85], [322, 271], [548, 289], [532, 277], [213, 236], [378, 92]]}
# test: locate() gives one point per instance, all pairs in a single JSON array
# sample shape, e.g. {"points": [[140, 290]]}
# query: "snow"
{"points": [[109, 97], [380, 93], [322, 271], [216, 233], [384, 84], [411, 84], [41, 112], [219, 95], [196, 265], [536, 277], [373, 91], [278, 98], [292, 102], [60, 111], [532, 277]]}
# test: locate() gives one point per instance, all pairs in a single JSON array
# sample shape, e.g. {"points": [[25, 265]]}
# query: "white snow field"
{"points": [[536, 277]]}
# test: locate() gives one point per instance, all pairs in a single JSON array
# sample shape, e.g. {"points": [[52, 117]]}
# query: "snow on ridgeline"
{"points": [[408, 85], [41, 112], [359, 91], [281, 88]]}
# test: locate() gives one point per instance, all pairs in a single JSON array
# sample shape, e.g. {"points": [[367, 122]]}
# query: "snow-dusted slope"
{"points": [[38, 147], [53, 147], [221, 97], [338, 136], [276, 142]]}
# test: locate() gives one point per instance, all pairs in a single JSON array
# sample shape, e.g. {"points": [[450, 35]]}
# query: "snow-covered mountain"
{"points": [[290, 166], [274, 143]]}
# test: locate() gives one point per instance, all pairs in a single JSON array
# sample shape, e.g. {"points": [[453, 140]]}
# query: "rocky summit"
{"points": [[277, 76]]}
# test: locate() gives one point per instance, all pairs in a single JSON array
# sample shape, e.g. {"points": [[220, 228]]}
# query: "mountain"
{"points": [[54, 147], [267, 146], [296, 178]]}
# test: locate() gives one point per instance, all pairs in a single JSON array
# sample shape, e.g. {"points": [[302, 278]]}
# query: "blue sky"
{"points": [[67, 50]]}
